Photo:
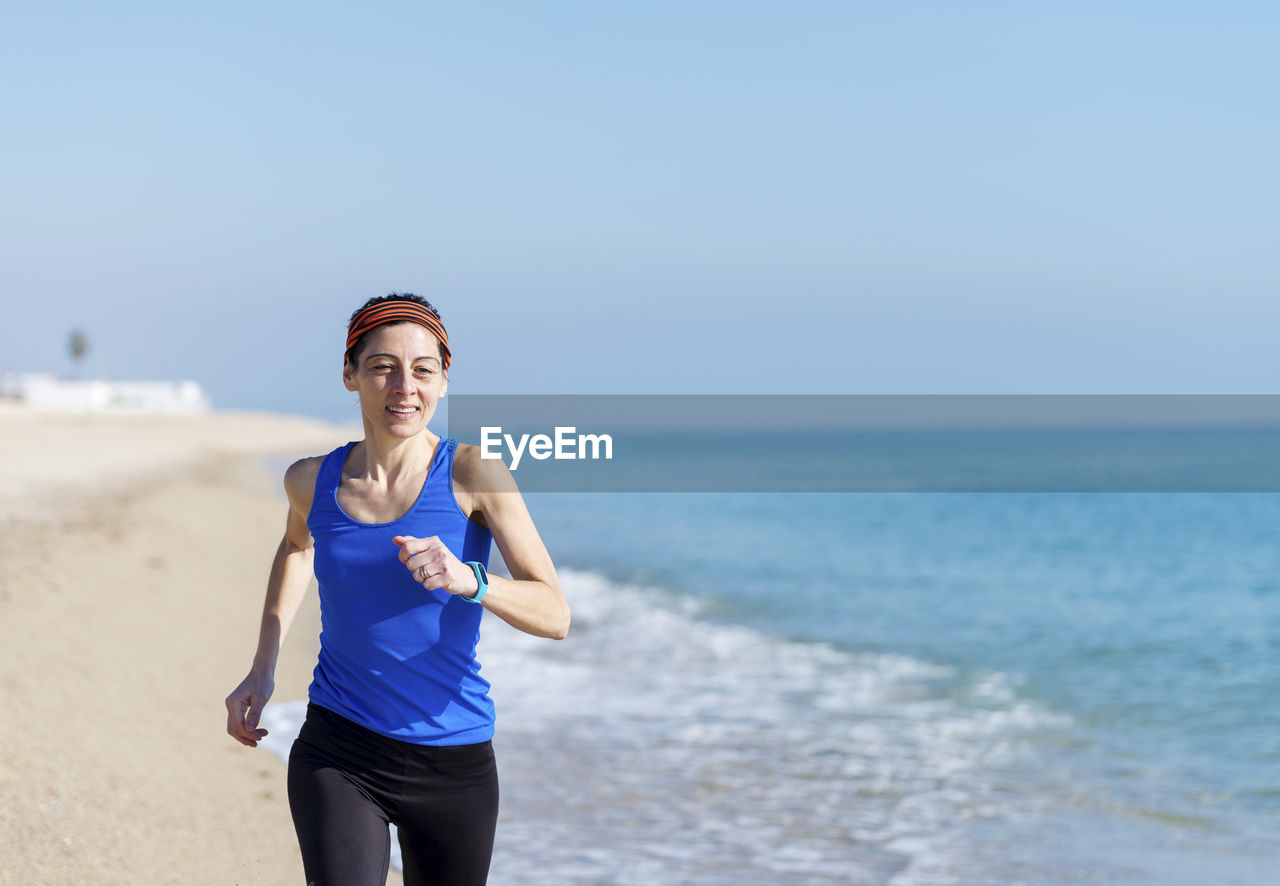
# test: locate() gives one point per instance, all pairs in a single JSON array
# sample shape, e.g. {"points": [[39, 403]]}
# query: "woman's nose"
{"points": [[404, 381]]}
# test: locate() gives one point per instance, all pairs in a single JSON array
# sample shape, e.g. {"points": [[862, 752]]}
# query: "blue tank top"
{"points": [[395, 657]]}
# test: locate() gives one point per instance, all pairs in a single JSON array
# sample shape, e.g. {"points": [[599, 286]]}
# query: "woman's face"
{"points": [[399, 378]]}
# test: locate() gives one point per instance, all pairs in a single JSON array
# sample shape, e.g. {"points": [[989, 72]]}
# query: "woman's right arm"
{"points": [[291, 574]]}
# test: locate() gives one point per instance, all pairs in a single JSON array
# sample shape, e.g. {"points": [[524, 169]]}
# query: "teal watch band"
{"points": [[482, 579]]}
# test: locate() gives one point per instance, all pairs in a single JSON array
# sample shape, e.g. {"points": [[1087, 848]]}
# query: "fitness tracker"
{"points": [[482, 579]]}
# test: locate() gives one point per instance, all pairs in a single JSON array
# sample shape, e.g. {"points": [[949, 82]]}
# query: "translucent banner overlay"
{"points": [[870, 443]]}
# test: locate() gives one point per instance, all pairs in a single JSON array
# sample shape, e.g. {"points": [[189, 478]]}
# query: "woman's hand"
{"points": [[244, 708], [435, 566]]}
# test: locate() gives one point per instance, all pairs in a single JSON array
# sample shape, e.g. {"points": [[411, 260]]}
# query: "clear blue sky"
{"points": [[692, 197]]}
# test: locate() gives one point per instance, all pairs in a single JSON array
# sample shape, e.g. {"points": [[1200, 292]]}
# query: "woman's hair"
{"points": [[353, 352]]}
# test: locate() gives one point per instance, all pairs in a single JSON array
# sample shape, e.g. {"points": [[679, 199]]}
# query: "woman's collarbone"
{"points": [[371, 502]]}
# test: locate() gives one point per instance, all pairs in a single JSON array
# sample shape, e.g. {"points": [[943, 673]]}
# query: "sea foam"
{"points": [[658, 745]]}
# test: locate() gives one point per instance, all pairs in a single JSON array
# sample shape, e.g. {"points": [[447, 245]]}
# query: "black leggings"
{"points": [[347, 783]]}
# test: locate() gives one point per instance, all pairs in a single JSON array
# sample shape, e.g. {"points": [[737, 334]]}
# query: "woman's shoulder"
{"points": [[474, 473], [300, 481]]}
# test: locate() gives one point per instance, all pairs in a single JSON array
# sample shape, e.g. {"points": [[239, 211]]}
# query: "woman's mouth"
{"points": [[402, 411]]}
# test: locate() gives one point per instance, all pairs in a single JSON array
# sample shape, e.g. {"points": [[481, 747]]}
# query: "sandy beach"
{"points": [[133, 556]]}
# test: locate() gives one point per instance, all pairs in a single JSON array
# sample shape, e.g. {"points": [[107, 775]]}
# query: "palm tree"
{"points": [[78, 345]]}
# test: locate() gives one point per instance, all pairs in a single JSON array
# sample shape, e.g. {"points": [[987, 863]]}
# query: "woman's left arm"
{"points": [[531, 600]]}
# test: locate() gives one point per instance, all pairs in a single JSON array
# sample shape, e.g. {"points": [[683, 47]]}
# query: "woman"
{"points": [[397, 530]]}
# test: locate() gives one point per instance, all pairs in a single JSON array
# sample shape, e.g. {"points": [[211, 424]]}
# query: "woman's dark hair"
{"points": [[353, 354]]}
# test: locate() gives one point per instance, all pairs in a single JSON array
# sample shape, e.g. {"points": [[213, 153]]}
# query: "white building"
{"points": [[50, 394]]}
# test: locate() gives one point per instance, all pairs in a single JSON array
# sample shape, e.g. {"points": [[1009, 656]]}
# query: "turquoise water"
{"points": [[1056, 687]]}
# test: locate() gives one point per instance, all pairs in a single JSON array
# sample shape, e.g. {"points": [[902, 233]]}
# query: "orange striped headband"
{"points": [[396, 311]]}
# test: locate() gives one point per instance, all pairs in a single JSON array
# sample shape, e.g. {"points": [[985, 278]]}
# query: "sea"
{"points": [[911, 687]]}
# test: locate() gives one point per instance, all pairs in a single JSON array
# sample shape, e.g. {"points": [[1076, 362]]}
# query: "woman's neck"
{"points": [[387, 459]]}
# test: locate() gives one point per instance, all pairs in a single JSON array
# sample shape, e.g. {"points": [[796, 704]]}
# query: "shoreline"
{"points": [[134, 550], [129, 608]]}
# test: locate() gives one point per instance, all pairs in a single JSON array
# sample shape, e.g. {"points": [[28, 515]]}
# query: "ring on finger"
{"points": [[422, 573]]}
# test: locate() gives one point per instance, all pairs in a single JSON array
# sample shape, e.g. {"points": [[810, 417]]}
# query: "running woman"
{"points": [[397, 530]]}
